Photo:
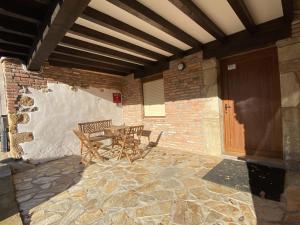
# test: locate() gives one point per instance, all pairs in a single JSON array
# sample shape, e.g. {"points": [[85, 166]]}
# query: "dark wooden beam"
{"points": [[16, 26], [72, 59], [104, 51], [150, 70], [95, 57], [243, 13], [10, 53], [266, 34], [17, 39], [83, 67], [10, 31], [61, 16], [7, 13], [191, 10], [109, 22], [287, 8], [13, 55], [7, 47], [46, 2], [27, 8], [147, 15], [110, 40]]}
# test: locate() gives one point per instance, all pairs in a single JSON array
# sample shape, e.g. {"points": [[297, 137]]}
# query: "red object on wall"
{"points": [[117, 97]]}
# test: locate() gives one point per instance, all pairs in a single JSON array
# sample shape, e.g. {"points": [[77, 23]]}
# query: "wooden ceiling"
{"points": [[137, 36]]}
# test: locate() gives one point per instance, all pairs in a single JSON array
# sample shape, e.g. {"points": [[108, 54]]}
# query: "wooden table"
{"points": [[114, 130]]}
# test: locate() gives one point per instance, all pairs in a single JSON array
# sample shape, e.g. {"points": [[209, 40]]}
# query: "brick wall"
{"points": [[192, 120], [16, 78], [19, 105]]}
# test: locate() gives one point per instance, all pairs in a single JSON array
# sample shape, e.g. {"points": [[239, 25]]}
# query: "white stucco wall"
{"points": [[59, 111]]}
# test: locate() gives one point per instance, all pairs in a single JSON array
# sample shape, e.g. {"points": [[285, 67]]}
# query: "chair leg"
{"points": [[85, 161], [83, 157], [140, 153], [121, 151], [127, 156]]}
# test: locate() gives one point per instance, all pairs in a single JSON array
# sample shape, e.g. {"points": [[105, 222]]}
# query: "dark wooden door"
{"points": [[251, 104]]}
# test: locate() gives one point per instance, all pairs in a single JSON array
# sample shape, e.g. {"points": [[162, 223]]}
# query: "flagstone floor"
{"points": [[164, 188]]}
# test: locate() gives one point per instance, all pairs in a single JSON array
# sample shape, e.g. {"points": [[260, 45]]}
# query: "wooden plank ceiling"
{"points": [[138, 36]]}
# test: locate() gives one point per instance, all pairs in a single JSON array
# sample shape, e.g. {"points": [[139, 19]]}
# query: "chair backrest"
{"points": [[135, 131], [94, 127], [131, 131]]}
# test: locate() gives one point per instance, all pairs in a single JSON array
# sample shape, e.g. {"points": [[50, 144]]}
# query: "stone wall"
{"points": [[290, 100], [44, 108], [289, 66], [192, 120]]}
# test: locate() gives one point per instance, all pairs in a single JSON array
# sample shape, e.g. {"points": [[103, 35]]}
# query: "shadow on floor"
{"points": [[265, 183], [44, 181]]}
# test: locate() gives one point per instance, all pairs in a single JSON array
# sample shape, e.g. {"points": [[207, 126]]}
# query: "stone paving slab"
{"points": [[164, 188]]}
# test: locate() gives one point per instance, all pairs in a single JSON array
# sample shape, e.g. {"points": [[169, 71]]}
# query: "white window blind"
{"points": [[154, 98]]}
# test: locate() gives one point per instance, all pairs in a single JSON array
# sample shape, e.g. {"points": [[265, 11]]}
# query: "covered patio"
{"points": [[150, 112], [169, 187]]}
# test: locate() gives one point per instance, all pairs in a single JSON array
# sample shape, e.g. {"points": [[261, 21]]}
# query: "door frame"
{"points": [[221, 83]]}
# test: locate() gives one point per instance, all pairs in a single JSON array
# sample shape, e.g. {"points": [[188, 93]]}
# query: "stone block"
{"points": [[209, 108], [26, 101], [292, 196], [289, 52], [15, 219], [212, 130], [291, 132], [289, 66], [210, 63], [210, 76], [6, 185], [4, 170], [290, 90], [287, 41], [7, 201]]}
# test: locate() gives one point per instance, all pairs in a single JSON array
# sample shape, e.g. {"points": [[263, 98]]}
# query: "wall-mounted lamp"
{"points": [[181, 66]]}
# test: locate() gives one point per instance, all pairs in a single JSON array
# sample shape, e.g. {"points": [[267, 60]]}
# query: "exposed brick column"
{"points": [[132, 100]]}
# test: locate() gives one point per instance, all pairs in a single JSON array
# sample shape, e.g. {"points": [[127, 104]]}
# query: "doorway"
{"points": [[251, 104]]}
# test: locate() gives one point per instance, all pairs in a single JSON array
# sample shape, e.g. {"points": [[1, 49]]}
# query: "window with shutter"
{"points": [[154, 98]]}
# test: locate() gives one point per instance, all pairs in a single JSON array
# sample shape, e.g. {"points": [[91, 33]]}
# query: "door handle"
{"points": [[227, 107]]}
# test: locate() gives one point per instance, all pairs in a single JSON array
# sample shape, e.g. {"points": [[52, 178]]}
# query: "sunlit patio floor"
{"points": [[164, 188]]}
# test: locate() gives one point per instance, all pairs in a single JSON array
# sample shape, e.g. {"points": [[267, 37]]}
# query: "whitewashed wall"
{"points": [[58, 113]]}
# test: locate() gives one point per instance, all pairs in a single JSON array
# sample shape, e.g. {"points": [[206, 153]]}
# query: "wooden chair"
{"points": [[129, 140], [147, 134], [88, 149]]}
